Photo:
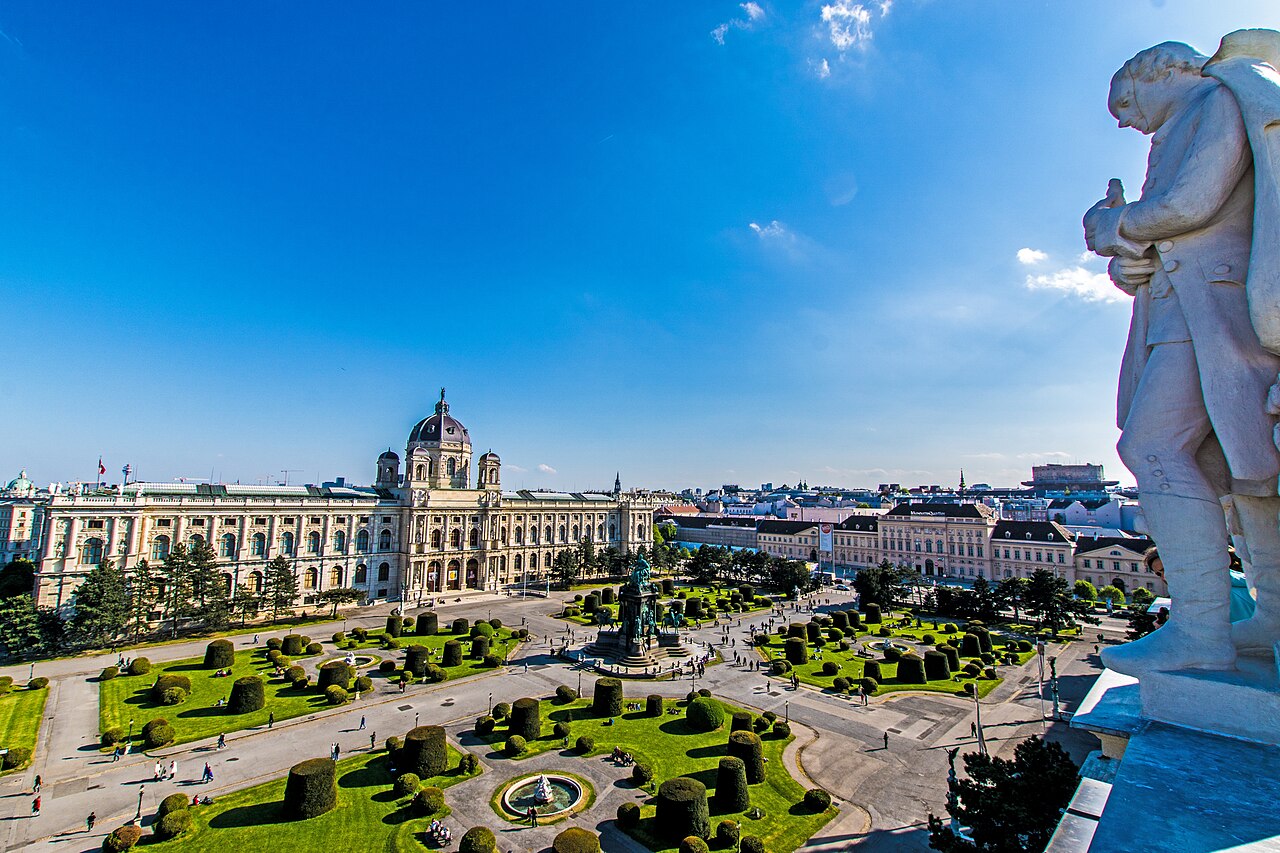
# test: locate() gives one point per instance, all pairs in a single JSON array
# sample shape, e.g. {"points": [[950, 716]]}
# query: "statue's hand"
{"points": [[1129, 274]]}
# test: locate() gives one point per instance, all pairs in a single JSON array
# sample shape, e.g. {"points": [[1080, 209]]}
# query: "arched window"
{"points": [[563, 534], [160, 547], [503, 538], [226, 583], [227, 547], [286, 544], [519, 535], [362, 575], [533, 535], [195, 541], [340, 541], [547, 535], [258, 545], [255, 581], [313, 542], [518, 563], [436, 538], [547, 561], [533, 562], [577, 534], [420, 473], [451, 467], [362, 541], [91, 553], [384, 572], [313, 576], [613, 531], [600, 530], [384, 541], [337, 576], [473, 538], [455, 538]]}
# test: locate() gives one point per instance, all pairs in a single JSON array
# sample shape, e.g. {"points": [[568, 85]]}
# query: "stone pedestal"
{"points": [[1242, 703]]}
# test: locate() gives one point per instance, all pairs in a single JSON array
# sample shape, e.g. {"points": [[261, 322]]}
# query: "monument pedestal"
{"points": [[1242, 703]]}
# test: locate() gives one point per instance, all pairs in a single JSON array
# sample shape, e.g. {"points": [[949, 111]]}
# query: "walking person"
{"points": [[90, 821], [372, 739], [173, 769], [159, 772], [886, 740], [271, 719], [361, 723], [222, 741], [35, 788]]}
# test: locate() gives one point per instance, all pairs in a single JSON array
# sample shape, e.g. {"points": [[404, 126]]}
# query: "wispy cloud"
{"points": [[822, 69], [545, 468], [850, 24], [1031, 256], [1078, 282], [753, 11], [775, 230], [515, 468]]}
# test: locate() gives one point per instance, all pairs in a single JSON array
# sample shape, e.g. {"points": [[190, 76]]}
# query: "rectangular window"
{"points": [[96, 524], [1061, 557], [364, 519], [287, 520], [1087, 564], [164, 522], [259, 520], [386, 519], [1116, 564], [315, 519], [198, 522], [229, 521]]}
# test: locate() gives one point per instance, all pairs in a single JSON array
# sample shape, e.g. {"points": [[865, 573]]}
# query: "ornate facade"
{"points": [[421, 530]]}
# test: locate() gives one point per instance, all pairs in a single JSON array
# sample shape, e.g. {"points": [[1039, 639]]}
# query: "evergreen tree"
{"points": [[26, 631], [280, 586], [143, 597], [179, 603], [587, 557], [1048, 598], [208, 587], [564, 571], [18, 578], [1011, 593], [1007, 806], [882, 584], [101, 606]]}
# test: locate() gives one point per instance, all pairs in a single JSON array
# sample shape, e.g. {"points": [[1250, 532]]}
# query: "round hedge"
{"points": [[112, 736], [751, 844], [424, 752], [293, 645], [478, 839], [166, 682], [797, 651], [173, 824], [122, 838], [364, 684], [484, 725], [406, 785], [109, 673], [682, 808], [704, 714], [830, 668], [781, 729], [560, 730], [468, 764], [18, 756], [693, 844], [394, 626], [428, 801], [817, 800], [642, 773], [727, 834], [565, 694], [607, 701], [435, 674], [526, 719], [747, 746], [452, 655], [139, 666], [778, 666], [584, 744], [335, 672], [653, 705], [219, 654], [314, 648], [274, 643], [428, 624], [628, 815], [415, 660], [741, 721], [575, 839], [311, 789], [871, 669], [336, 695], [732, 793], [172, 803]]}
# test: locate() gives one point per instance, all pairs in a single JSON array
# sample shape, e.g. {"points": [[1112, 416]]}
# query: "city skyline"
{"points": [[733, 243]]}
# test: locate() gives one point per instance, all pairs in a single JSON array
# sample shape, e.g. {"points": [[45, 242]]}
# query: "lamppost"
{"points": [[137, 818], [1053, 686], [131, 728], [490, 708], [579, 683], [786, 711]]}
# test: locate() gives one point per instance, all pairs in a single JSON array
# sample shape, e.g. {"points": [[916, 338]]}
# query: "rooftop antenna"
{"points": [[287, 472]]}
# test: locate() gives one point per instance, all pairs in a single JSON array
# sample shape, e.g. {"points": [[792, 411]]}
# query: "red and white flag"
{"points": [[102, 469]]}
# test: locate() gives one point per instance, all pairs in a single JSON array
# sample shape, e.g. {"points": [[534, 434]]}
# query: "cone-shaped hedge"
{"points": [[607, 701], [747, 746], [526, 719], [951, 654], [871, 669], [693, 608], [855, 618], [796, 629], [424, 752], [394, 626], [415, 660], [741, 721], [292, 645], [428, 624], [606, 595], [797, 651], [335, 672], [936, 667], [682, 808], [653, 705], [480, 646], [247, 694], [970, 645], [312, 788], [219, 654], [732, 794], [911, 670], [452, 655], [668, 586], [873, 613]]}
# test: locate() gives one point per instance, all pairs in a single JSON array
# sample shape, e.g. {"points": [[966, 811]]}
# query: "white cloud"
{"points": [[1080, 282], [753, 11], [517, 468], [822, 69], [545, 468], [849, 24], [1031, 256], [774, 229]]}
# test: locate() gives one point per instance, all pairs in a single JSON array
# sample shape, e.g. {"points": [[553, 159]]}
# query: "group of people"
{"points": [[440, 833], [162, 773], [222, 673], [625, 759]]}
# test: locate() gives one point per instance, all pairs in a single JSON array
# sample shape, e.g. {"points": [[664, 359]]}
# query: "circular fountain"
{"points": [[548, 794], [885, 645], [353, 660]]}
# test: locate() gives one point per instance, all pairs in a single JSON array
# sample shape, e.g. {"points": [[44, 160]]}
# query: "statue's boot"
{"points": [[1259, 517], [1192, 537]]}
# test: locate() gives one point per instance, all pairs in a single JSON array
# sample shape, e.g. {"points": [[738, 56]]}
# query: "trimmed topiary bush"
{"points": [[386, 666], [526, 719], [18, 756], [872, 614], [967, 688], [394, 627], [484, 725], [292, 645], [797, 651], [693, 844], [480, 646], [478, 839], [219, 654], [830, 668], [406, 785], [732, 793], [682, 808], [501, 711], [460, 626], [936, 667], [812, 630], [704, 714], [109, 673], [741, 721], [653, 705], [871, 669], [575, 839], [335, 672], [840, 619], [468, 764], [781, 729], [424, 752], [584, 744], [173, 824], [415, 659], [591, 603], [668, 586], [840, 684], [727, 834], [172, 803], [970, 646], [607, 595], [817, 800], [428, 801], [911, 670], [628, 815], [173, 696], [336, 695], [607, 701], [314, 648], [747, 746], [796, 629], [112, 736], [122, 838], [560, 730], [452, 655], [247, 694], [565, 694], [751, 844], [428, 624], [364, 684], [778, 666], [435, 674], [139, 666], [642, 773], [166, 682], [311, 789], [952, 655]]}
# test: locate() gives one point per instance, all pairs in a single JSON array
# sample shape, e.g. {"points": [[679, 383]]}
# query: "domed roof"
{"points": [[389, 455], [490, 456], [440, 427], [20, 485]]}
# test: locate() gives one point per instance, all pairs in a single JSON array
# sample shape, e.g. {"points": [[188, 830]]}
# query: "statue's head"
{"points": [[1147, 89]]}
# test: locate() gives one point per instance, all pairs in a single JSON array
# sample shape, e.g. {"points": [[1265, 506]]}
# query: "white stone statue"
{"points": [[542, 794], [1205, 334]]}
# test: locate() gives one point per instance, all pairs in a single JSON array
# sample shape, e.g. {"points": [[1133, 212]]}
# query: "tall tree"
{"points": [[1007, 806], [208, 587], [786, 575], [18, 578], [143, 597], [245, 603], [882, 584], [587, 557], [564, 571], [1048, 598], [279, 587], [176, 575], [101, 606], [27, 631], [1011, 593], [340, 595]]}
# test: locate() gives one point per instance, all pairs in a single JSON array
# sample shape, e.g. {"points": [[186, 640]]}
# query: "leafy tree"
{"points": [[101, 605], [1011, 593], [245, 603], [1142, 596], [587, 557], [279, 586], [882, 584], [1007, 806], [986, 601], [1113, 594], [18, 578], [565, 570], [340, 595], [786, 575], [1086, 591], [1049, 600]]}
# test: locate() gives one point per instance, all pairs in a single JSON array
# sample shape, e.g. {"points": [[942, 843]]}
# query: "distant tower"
{"points": [[388, 470], [438, 455], [490, 472], [962, 481], [617, 484]]}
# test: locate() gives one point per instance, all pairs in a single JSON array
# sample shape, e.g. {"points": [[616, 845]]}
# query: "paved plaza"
{"points": [[884, 794]]}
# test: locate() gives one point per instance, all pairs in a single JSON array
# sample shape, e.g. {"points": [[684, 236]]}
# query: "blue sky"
{"points": [[695, 242]]}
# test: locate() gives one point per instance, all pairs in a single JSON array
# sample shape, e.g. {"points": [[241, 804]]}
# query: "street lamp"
{"points": [[138, 817], [490, 702], [786, 711], [579, 683]]}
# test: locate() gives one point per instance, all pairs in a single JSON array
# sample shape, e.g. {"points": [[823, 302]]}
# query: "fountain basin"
{"points": [[362, 661], [885, 645], [567, 794]]}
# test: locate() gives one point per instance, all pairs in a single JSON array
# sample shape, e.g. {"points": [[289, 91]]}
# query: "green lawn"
{"points": [[368, 816], [20, 713], [674, 750]]}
